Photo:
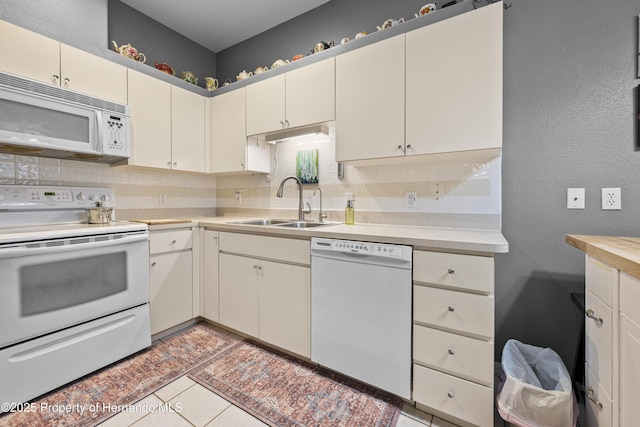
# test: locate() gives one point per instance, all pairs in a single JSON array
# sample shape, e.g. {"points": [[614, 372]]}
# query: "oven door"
{"points": [[50, 285]]}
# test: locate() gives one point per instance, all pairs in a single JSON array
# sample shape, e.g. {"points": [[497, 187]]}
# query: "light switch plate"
{"points": [[575, 198]]}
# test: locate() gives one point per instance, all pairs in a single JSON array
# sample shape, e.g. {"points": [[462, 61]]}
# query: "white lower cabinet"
{"points": [[453, 336], [210, 262], [171, 278], [265, 288]]}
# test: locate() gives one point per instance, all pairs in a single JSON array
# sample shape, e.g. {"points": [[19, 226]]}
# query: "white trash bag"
{"points": [[537, 388]]}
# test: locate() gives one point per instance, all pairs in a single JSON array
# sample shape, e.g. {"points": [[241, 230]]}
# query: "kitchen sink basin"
{"points": [[262, 221], [286, 223], [302, 224]]}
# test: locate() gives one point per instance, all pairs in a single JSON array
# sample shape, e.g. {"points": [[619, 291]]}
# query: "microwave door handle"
{"points": [[100, 123], [13, 252]]}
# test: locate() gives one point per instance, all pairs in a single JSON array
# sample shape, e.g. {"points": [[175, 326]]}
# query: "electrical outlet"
{"points": [[437, 190], [162, 199], [611, 199], [412, 199], [575, 198]]}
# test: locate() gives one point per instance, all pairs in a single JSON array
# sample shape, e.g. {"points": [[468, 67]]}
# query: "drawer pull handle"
{"points": [[451, 395], [452, 351], [592, 315], [451, 271], [592, 398], [451, 308]]}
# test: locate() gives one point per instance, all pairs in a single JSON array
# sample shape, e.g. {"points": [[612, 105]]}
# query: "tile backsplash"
{"points": [[450, 193], [137, 190]]}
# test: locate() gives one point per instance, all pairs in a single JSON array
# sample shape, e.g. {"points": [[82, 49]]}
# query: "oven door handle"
{"points": [[19, 251]]}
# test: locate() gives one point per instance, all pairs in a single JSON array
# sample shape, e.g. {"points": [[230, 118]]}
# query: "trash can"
{"points": [[536, 389]]}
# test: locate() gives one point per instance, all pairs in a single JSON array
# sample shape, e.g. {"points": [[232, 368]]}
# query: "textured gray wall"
{"points": [[329, 22], [159, 43]]}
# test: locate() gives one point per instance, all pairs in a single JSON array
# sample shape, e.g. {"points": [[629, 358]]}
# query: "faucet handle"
{"points": [[321, 216], [308, 209]]}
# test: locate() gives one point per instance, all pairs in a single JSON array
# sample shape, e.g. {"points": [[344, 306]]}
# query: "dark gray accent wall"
{"points": [[159, 43], [329, 22]]}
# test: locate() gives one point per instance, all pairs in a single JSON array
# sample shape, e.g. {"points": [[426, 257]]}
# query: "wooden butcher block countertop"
{"points": [[622, 253]]}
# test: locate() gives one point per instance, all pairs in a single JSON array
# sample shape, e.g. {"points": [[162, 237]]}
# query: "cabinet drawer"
{"points": [[598, 404], [276, 248], [599, 279], [630, 296], [466, 272], [170, 240], [462, 399], [455, 311], [599, 340], [462, 356]]}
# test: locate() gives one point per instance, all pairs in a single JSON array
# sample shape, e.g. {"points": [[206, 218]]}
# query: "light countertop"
{"points": [[622, 253], [433, 238]]}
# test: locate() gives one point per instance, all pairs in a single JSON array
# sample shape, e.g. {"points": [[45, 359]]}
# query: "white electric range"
{"points": [[74, 297]]}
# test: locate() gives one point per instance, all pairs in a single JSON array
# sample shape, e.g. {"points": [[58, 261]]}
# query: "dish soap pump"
{"points": [[349, 213]]}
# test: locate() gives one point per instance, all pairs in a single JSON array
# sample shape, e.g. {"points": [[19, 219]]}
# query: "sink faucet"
{"points": [[321, 214], [301, 210]]}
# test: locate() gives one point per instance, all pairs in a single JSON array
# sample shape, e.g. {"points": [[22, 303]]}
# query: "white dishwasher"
{"points": [[361, 311]]}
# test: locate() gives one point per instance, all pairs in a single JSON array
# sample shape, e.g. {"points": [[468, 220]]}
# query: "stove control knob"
{"points": [[81, 196], [104, 198], [93, 197]]}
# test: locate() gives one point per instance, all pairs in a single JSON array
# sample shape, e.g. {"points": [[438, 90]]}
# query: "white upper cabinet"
{"points": [[31, 55], [370, 101], [150, 101], [230, 149], [187, 130], [454, 83], [300, 97]]}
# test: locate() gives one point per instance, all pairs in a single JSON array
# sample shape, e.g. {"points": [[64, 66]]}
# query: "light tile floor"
{"points": [[184, 402]]}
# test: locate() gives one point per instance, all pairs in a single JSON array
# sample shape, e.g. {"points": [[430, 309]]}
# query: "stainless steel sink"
{"points": [[286, 223], [262, 221], [302, 224]]}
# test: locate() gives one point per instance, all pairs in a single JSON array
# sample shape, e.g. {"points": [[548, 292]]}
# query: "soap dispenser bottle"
{"points": [[349, 213]]}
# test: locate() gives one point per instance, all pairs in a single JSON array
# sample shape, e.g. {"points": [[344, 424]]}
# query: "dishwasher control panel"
{"points": [[361, 248]]}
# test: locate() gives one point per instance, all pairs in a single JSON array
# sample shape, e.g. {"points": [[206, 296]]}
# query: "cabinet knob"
{"points": [[255, 266], [66, 82], [153, 264], [451, 308], [452, 351], [173, 242], [175, 164], [409, 147], [451, 271], [168, 164], [282, 124], [592, 315], [451, 395], [286, 124], [54, 79], [242, 165], [260, 267], [399, 147]]}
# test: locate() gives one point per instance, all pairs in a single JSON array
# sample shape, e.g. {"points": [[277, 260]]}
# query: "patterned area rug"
{"points": [[124, 382], [283, 391]]}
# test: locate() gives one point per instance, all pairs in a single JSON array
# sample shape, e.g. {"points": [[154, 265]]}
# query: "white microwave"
{"points": [[38, 119]]}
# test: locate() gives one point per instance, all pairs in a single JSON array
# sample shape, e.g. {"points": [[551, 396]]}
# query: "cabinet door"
{"points": [[171, 290], [86, 73], [150, 102], [454, 83], [629, 372], [187, 130], [285, 306], [211, 275], [370, 101], [238, 292], [310, 94], [265, 105], [228, 132], [28, 54]]}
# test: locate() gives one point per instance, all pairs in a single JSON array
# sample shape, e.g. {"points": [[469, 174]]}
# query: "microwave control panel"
{"points": [[116, 138]]}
